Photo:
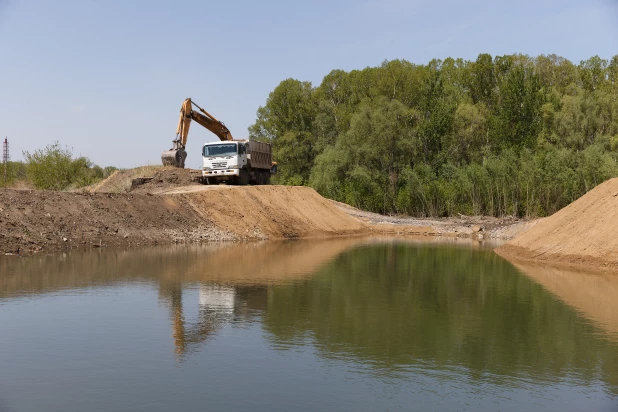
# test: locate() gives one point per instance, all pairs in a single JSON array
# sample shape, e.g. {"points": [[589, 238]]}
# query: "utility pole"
{"points": [[5, 155]]}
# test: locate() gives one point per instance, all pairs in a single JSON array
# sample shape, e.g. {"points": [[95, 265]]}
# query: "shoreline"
{"points": [[34, 221], [518, 254]]}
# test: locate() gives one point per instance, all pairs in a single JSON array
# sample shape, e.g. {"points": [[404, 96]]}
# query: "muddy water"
{"points": [[350, 324]]}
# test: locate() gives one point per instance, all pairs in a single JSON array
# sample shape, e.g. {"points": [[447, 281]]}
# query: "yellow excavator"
{"points": [[176, 155]]}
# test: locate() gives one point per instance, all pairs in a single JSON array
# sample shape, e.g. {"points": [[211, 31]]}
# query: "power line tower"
{"points": [[5, 155]]}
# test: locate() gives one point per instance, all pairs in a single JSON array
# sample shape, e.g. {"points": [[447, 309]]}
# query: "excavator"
{"points": [[176, 155]]}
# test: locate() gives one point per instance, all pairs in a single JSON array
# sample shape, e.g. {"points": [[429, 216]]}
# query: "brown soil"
{"points": [[165, 178], [582, 234], [169, 206], [32, 221], [120, 180]]}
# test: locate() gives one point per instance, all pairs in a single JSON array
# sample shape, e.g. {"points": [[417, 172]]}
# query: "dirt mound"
{"points": [[120, 180], [146, 179], [32, 221], [165, 178], [583, 233]]}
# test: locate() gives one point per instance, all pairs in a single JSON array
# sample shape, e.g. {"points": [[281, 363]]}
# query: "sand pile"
{"points": [[165, 178], [272, 212], [583, 233]]}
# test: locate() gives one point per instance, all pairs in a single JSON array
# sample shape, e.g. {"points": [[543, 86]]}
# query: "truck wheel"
{"points": [[266, 178], [243, 179], [260, 178]]}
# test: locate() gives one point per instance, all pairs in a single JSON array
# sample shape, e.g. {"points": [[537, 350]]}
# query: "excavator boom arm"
{"points": [[214, 126], [176, 155], [205, 119]]}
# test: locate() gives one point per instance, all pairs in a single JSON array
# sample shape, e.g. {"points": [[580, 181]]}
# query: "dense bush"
{"points": [[504, 135], [54, 168]]}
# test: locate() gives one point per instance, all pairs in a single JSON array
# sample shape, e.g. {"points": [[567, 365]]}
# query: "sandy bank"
{"points": [[585, 233]]}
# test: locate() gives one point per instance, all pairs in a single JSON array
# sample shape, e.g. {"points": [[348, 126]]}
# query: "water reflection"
{"points": [[394, 305], [593, 294], [247, 264], [398, 308], [233, 279]]}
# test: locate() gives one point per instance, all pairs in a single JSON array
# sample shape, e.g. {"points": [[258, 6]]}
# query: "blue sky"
{"points": [[107, 78]]}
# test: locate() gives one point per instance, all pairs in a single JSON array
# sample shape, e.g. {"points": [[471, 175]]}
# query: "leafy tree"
{"points": [[287, 122], [592, 73], [469, 132], [483, 80], [517, 121], [499, 135]]}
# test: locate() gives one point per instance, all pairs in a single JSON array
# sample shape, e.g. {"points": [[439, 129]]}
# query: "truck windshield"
{"points": [[220, 150]]}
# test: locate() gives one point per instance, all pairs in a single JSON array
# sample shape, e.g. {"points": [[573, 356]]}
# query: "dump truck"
{"points": [[238, 162], [232, 161]]}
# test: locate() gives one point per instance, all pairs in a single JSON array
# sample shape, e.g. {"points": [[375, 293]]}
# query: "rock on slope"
{"points": [[583, 233]]}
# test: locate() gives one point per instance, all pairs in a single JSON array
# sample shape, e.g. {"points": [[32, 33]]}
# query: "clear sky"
{"points": [[107, 78]]}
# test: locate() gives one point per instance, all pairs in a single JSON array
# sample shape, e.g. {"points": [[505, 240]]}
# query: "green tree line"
{"points": [[53, 168], [504, 135]]}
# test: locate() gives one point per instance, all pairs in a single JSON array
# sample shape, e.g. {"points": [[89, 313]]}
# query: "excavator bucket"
{"points": [[174, 157]]}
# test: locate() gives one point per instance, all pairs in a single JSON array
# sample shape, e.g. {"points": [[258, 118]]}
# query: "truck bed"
{"points": [[261, 154]]}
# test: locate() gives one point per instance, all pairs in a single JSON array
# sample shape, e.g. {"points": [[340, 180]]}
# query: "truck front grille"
{"points": [[219, 165]]}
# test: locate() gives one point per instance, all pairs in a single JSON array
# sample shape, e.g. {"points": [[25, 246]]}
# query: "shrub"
{"points": [[54, 168]]}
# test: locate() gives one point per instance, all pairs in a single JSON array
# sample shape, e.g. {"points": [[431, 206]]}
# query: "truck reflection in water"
{"points": [[217, 306], [246, 271]]}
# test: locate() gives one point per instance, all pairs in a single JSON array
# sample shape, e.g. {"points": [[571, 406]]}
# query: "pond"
{"points": [[341, 325]]}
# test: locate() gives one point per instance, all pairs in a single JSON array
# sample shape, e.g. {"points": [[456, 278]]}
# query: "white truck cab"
{"points": [[223, 159], [237, 161]]}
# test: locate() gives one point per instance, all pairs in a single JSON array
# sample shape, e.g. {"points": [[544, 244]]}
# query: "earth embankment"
{"points": [[162, 205], [585, 233], [32, 221]]}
